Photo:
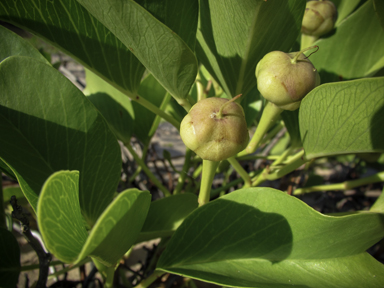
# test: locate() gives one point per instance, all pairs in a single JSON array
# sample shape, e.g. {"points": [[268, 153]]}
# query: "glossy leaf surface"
{"points": [[9, 259], [161, 51], [46, 129], [69, 27], [234, 35], [261, 237], [166, 215], [341, 118], [59, 216], [349, 55], [118, 227]]}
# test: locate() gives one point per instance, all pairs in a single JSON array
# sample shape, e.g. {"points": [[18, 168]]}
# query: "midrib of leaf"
{"points": [[245, 59]]}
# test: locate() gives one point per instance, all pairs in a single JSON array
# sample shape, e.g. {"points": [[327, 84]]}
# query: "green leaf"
{"points": [[59, 216], [355, 50], [341, 118], [180, 16], [69, 27], [166, 215], [118, 227], [48, 125], [112, 104], [262, 237], [13, 45], [161, 51], [9, 191], [344, 8], [151, 90], [9, 259], [234, 35], [379, 9]]}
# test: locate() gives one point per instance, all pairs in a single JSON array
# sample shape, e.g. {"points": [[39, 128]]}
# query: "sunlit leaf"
{"points": [[343, 118], [261, 237]]}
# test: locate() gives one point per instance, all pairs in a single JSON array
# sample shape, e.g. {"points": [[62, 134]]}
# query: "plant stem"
{"points": [[270, 114], [110, 275], [294, 59], [294, 162], [156, 122], [145, 168], [307, 41], [239, 169], [145, 283], [219, 114], [184, 172], [378, 177], [209, 170]]}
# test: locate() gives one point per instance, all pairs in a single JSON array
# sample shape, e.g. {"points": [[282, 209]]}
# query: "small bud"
{"points": [[319, 18], [285, 78], [215, 129]]}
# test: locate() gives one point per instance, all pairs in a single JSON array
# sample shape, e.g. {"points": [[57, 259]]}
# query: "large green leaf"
{"points": [[262, 237], [48, 125], [9, 259], [112, 104], [166, 215], [354, 50], [68, 26], [344, 117], [59, 216], [344, 8], [118, 227], [161, 50], [13, 45], [234, 35]]}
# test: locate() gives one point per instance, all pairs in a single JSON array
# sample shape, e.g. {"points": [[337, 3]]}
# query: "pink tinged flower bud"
{"points": [[215, 135], [319, 18]]}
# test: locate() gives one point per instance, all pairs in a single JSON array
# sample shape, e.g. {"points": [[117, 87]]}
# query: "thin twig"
{"points": [[44, 258]]}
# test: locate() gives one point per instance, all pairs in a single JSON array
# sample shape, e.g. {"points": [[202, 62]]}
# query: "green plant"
{"points": [[148, 61]]}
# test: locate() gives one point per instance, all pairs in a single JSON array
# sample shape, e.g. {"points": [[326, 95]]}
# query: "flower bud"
{"points": [[319, 18], [285, 78], [215, 129]]}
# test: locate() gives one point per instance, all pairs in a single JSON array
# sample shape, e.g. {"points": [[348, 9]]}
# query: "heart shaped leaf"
{"points": [[262, 237], [59, 216]]}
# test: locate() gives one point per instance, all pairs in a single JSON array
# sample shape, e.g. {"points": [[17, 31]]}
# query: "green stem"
{"points": [[294, 59], [139, 169], [110, 272], [156, 122], [292, 164], [184, 103], [378, 177], [219, 114], [209, 170], [145, 283], [239, 169], [270, 114], [142, 101], [146, 170], [307, 41], [184, 172]]}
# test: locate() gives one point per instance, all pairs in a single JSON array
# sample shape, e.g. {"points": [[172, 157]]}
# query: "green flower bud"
{"points": [[215, 129], [285, 78], [319, 18]]}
